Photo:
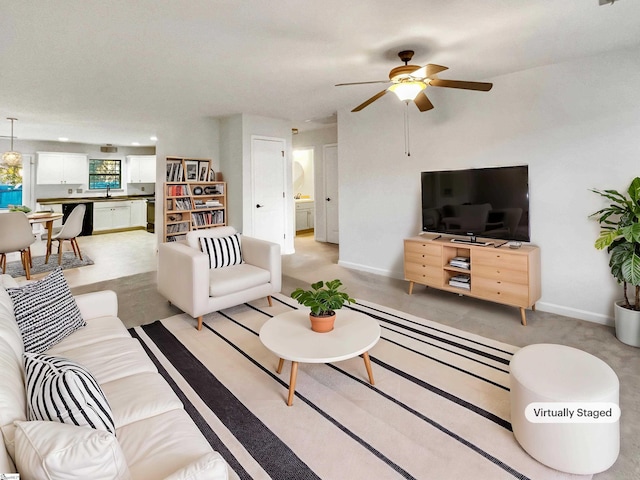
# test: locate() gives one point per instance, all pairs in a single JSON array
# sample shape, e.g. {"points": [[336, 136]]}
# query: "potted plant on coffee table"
{"points": [[323, 299], [620, 235]]}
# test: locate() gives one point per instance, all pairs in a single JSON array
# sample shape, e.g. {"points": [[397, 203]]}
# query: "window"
{"points": [[105, 173], [10, 186]]}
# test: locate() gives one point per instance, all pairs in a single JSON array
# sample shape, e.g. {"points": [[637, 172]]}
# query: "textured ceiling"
{"points": [[111, 72]]}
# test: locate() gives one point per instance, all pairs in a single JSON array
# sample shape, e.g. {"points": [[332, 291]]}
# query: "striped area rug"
{"points": [[439, 408]]}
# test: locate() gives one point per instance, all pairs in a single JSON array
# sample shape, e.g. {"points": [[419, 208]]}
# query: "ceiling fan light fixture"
{"points": [[407, 91], [12, 158]]}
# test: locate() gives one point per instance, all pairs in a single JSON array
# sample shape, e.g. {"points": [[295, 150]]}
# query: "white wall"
{"points": [[575, 124]]}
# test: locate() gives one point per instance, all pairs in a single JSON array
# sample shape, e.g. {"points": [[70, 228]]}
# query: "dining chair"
{"points": [[69, 231], [16, 236]]}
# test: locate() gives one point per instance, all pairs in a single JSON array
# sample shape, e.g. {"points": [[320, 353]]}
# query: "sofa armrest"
{"points": [[183, 277], [98, 304], [264, 254]]}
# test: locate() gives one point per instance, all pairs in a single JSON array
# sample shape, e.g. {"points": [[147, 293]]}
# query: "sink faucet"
{"points": [[108, 188]]}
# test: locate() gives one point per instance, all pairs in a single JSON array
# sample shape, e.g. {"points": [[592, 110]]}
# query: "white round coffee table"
{"points": [[289, 336]]}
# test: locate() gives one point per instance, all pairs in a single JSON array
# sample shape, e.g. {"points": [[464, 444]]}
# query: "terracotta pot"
{"points": [[322, 324]]}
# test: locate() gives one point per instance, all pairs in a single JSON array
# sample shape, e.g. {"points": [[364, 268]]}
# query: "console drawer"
{"points": [[424, 274], [423, 248], [501, 292], [499, 259], [423, 259], [500, 273]]}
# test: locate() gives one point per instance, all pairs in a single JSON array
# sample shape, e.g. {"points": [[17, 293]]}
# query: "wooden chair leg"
{"points": [[60, 252], [200, 322], [3, 262], [25, 263], [30, 258], [269, 300], [76, 248]]}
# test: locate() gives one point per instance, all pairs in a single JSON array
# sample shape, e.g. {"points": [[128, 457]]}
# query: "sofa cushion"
{"points": [[210, 465], [45, 311], [224, 281], [111, 359], [97, 330], [222, 251], [56, 451], [63, 391], [140, 396], [176, 441]]}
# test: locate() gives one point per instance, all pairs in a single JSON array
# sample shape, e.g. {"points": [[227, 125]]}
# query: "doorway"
{"points": [[304, 191]]}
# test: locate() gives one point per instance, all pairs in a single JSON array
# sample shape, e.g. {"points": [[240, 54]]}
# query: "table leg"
{"points": [[280, 363], [292, 383], [367, 364], [49, 225]]}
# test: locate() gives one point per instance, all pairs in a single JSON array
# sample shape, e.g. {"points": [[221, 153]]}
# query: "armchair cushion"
{"points": [[224, 281], [222, 251]]}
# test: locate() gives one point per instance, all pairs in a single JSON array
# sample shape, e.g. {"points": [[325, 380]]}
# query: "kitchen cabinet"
{"points": [[142, 168], [138, 213], [304, 215], [111, 215], [62, 168]]}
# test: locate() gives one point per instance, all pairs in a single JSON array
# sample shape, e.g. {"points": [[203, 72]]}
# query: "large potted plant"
{"points": [[323, 299], [620, 235]]}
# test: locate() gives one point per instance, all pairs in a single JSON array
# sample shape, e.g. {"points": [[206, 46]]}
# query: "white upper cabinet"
{"points": [[142, 168], [57, 168]]}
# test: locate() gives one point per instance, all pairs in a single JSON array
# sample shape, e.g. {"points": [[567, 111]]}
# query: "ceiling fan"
{"points": [[408, 82]]}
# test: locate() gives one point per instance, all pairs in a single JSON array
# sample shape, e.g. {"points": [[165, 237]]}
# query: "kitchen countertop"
{"points": [[119, 198]]}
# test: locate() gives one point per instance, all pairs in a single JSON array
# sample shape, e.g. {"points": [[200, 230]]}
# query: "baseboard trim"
{"points": [[377, 271], [575, 313]]}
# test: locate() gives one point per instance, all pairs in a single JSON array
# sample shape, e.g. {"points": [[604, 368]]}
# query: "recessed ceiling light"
{"points": [[135, 144], [63, 139], [153, 139]]}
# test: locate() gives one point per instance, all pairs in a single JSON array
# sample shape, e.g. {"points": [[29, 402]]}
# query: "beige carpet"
{"points": [[439, 408]]}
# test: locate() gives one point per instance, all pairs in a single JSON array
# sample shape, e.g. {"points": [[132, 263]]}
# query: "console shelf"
{"points": [[502, 275]]}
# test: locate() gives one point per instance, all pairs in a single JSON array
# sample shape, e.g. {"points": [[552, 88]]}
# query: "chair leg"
{"points": [[76, 248], [25, 262], [60, 252], [3, 262], [200, 322], [269, 300]]}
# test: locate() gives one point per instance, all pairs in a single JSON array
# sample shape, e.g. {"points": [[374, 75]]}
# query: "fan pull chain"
{"points": [[407, 148]]}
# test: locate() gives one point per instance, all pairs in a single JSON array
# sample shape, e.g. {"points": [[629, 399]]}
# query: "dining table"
{"points": [[47, 218]]}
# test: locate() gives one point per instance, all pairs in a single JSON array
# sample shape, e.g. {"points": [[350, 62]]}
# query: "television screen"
{"points": [[484, 202]]}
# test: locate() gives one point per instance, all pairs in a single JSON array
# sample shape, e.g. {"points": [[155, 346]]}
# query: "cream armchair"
{"points": [[187, 281]]}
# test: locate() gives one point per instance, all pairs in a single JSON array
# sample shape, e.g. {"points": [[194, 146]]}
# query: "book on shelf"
{"points": [[461, 278], [460, 262], [456, 284]]}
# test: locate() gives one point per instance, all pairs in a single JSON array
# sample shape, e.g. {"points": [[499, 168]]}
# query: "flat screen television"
{"points": [[478, 202]]}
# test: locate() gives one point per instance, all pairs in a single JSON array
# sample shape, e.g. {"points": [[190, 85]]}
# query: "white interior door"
{"points": [[268, 180], [331, 200]]}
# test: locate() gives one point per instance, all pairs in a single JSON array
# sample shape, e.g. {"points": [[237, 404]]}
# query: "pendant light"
{"points": [[12, 158]]}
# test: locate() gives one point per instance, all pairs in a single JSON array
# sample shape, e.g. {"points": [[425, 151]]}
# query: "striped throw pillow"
{"points": [[46, 312], [222, 251], [60, 390]]}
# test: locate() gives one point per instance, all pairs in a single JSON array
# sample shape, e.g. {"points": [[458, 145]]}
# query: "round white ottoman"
{"points": [[557, 373]]}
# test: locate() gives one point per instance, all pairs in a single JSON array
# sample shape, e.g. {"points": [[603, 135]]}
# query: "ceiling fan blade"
{"points": [[360, 83], [428, 70], [482, 86], [371, 100], [422, 102]]}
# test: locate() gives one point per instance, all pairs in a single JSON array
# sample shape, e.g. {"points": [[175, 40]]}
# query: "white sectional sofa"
{"points": [[156, 436]]}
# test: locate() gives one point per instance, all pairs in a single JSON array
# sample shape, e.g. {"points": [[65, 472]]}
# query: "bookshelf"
{"points": [[193, 199]]}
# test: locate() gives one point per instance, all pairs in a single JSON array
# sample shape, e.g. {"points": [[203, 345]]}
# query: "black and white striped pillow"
{"points": [[222, 251], [46, 312], [60, 390]]}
